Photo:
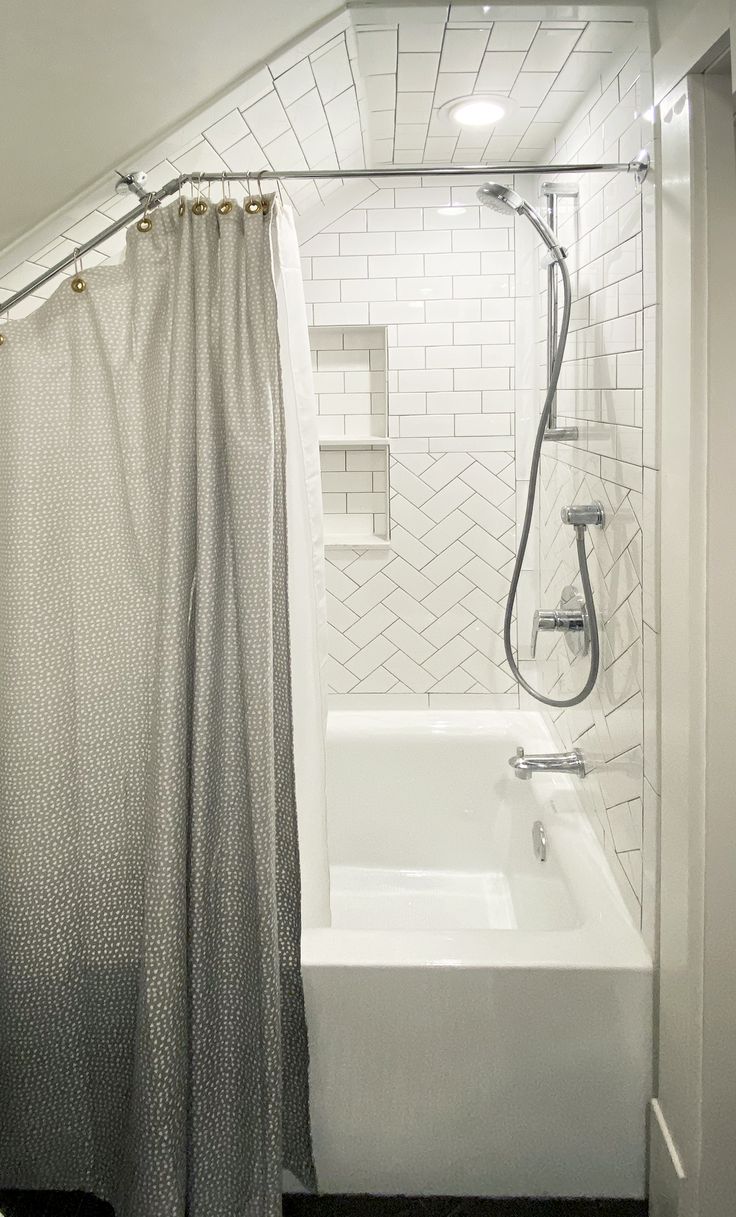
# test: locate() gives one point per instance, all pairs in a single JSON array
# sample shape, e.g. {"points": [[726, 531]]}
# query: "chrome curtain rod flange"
{"points": [[134, 182]]}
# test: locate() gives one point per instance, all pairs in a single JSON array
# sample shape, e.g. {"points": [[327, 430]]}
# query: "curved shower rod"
{"points": [[639, 166]]}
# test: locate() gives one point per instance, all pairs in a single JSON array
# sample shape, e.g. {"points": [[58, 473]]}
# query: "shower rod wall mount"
{"points": [[135, 179]]}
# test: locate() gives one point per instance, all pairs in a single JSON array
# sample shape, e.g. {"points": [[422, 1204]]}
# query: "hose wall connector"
{"points": [[592, 515]]}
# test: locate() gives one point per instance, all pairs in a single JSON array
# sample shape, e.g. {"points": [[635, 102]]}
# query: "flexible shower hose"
{"points": [[526, 527]]}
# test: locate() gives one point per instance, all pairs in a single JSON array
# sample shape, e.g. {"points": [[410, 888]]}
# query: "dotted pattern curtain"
{"points": [[153, 1045]]}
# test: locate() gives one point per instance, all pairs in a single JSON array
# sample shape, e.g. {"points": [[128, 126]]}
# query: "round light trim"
{"points": [[478, 110]]}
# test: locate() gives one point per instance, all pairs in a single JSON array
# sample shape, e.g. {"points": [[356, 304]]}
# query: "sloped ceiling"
{"points": [[363, 87], [85, 84]]}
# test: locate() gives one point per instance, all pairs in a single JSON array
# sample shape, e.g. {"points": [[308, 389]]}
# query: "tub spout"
{"points": [[525, 767]]}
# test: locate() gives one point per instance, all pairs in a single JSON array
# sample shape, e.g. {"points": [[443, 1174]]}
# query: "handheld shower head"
{"points": [[500, 198], [506, 201]]}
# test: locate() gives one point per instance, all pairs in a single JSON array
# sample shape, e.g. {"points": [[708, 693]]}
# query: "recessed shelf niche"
{"points": [[350, 385]]}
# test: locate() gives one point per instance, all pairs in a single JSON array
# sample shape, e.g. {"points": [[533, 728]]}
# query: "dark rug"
{"points": [[79, 1204]]}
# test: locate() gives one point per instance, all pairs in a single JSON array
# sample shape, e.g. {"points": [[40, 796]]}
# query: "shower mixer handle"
{"points": [[566, 620]]}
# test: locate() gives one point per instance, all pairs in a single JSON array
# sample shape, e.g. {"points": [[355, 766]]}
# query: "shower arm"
{"points": [[135, 182]]}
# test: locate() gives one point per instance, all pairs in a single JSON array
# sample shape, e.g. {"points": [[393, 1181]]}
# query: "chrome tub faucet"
{"points": [[525, 767]]}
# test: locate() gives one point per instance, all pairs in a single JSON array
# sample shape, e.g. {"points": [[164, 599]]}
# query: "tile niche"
{"points": [[350, 385]]}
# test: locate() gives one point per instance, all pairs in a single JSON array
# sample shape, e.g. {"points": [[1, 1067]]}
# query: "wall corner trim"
{"points": [[661, 1127]]}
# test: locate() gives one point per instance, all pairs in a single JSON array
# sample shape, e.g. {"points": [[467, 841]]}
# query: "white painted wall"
{"points": [[693, 1168], [84, 87]]}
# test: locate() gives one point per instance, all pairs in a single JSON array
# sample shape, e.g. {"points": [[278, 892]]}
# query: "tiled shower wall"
{"points": [[420, 624], [608, 392]]}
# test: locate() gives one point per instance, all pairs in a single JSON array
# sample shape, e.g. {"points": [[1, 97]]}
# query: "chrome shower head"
{"points": [[500, 198]]}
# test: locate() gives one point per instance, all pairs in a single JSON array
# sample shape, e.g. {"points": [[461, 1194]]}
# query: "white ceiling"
{"points": [[84, 85]]}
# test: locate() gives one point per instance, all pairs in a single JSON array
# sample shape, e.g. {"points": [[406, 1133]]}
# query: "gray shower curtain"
{"points": [[152, 1036]]}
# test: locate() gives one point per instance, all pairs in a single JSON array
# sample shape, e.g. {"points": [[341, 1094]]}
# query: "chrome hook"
{"points": [[78, 284], [225, 205], [200, 206]]}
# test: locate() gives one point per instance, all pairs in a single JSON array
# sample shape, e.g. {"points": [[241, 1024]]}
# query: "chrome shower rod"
{"points": [[148, 201]]}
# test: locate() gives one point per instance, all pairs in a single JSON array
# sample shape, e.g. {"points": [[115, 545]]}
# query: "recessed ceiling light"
{"points": [[478, 110], [477, 113]]}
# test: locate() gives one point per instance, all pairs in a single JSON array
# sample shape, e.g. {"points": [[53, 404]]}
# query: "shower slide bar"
{"points": [[148, 201]]}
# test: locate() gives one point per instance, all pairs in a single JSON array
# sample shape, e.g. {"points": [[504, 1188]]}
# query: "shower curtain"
{"points": [[153, 1045]]}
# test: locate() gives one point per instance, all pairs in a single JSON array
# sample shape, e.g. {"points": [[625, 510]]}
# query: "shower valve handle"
{"points": [[555, 619]]}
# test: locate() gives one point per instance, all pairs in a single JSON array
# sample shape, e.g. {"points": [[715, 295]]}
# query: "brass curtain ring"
{"points": [[145, 224]]}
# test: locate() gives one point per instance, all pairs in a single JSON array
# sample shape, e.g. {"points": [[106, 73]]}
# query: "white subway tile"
{"points": [[341, 314], [454, 357], [629, 374], [423, 425], [453, 402], [426, 288], [295, 82], [423, 381], [483, 424], [397, 311], [267, 119], [484, 286], [369, 289], [407, 357], [351, 267], [498, 356], [480, 240], [621, 473], [452, 218], [417, 71], [453, 310], [423, 242], [367, 243], [321, 290], [332, 72], [394, 219], [377, 51], [396, 265], [343, 482], [482, 332], [452, 264], [428, 334]]}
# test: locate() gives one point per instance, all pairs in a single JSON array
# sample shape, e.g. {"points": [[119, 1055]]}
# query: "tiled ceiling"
{"points": [[412, 61]]}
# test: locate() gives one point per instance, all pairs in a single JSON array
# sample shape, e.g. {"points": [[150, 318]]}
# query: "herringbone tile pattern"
{"points": [[426, 617]]}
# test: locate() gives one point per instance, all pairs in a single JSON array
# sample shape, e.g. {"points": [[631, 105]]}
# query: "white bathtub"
{"points": [[480, 1021]]}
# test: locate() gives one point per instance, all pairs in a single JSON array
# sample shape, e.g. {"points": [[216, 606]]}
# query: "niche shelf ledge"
{"points": [[354, 441], [356, 543]]}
